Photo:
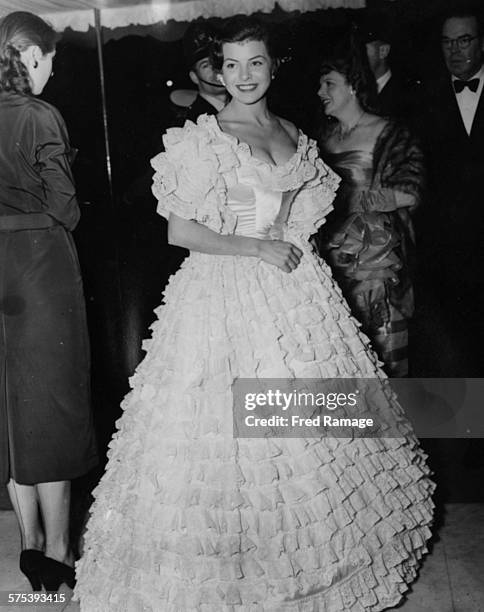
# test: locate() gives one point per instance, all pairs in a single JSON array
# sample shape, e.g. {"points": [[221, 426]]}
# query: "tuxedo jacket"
{"points": [[455, 162], [456, 159]]}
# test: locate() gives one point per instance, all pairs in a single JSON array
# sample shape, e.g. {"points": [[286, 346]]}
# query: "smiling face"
{"points": [[246, 70], [462, 63], [335, 93]]}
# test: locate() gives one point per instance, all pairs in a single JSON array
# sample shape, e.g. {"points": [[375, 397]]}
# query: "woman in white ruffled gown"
{"points": [[187, 518]]}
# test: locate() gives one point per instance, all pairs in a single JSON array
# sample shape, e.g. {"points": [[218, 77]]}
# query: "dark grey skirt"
{"points": [[46, 430]]}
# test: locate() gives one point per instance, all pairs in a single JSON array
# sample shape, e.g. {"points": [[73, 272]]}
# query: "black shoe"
{"points": [[53, 573], [30, 562]]}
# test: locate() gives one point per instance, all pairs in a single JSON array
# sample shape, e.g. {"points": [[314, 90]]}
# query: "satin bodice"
{"points": [[261, 211], [360, 243], [355, 168]]}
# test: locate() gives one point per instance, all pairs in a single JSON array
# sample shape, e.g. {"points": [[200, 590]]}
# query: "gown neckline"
{"points": [[360, 151], [246, 148]]}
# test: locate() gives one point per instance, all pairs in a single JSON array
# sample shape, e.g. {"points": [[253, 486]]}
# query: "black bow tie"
{"points": [[459, 86]]}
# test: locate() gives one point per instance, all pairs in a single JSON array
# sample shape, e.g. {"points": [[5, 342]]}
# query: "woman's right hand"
{"points": [[280, 253]]}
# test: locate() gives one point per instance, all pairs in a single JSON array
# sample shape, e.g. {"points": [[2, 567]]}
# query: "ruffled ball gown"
{"points": [[187, 518]]}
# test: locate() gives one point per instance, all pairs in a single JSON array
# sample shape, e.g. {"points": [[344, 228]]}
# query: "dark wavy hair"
{"points": [[349, 58], [239, 29], [19, 31]]}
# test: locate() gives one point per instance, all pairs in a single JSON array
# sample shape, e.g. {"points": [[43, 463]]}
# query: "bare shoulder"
{"points": [[290, 128], [375, 125], [376, 122]]}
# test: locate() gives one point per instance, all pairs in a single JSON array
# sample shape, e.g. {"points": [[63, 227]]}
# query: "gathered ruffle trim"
{"points": [[351, 566], [200, 160], [305, 169], [188, 179]]}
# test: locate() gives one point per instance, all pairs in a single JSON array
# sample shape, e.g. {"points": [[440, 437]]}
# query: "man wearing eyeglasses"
{"points": [[462, 49], [452, 228]]}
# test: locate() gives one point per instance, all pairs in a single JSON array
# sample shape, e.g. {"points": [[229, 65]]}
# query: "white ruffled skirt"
{"points": [[187, 518]]}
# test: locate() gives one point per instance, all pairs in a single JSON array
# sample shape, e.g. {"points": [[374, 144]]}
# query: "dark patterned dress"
{"points": [[369, 239]]}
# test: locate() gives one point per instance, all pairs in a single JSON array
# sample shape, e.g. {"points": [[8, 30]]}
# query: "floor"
{"points": [[451, 578]]}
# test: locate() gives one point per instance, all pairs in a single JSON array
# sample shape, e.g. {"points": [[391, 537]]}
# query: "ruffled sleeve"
{"points": [[314, 199], [188, 180]]}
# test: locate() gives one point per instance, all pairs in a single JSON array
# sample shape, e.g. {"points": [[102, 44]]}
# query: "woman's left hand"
{"points": [[280, 253]]}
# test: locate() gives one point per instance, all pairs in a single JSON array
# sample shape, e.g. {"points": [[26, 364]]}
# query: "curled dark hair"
{"points": [[240, 29], [19, 31], [349, 58]]}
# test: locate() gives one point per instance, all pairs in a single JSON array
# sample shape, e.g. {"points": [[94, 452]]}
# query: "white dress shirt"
{"points": [[383, 80], [468, 100]]}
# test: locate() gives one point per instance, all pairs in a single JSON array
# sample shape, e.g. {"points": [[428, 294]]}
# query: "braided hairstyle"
{"points": [[19, 31]]}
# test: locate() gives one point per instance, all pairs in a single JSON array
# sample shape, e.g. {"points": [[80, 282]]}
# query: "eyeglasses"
{"points": [[462, 42]]}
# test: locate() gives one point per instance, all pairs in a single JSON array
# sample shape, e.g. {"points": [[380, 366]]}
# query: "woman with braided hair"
{"points": [[46, 434]]}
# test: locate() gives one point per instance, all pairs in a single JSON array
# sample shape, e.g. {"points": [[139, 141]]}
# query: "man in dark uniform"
{"points": [[210, 96]]}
